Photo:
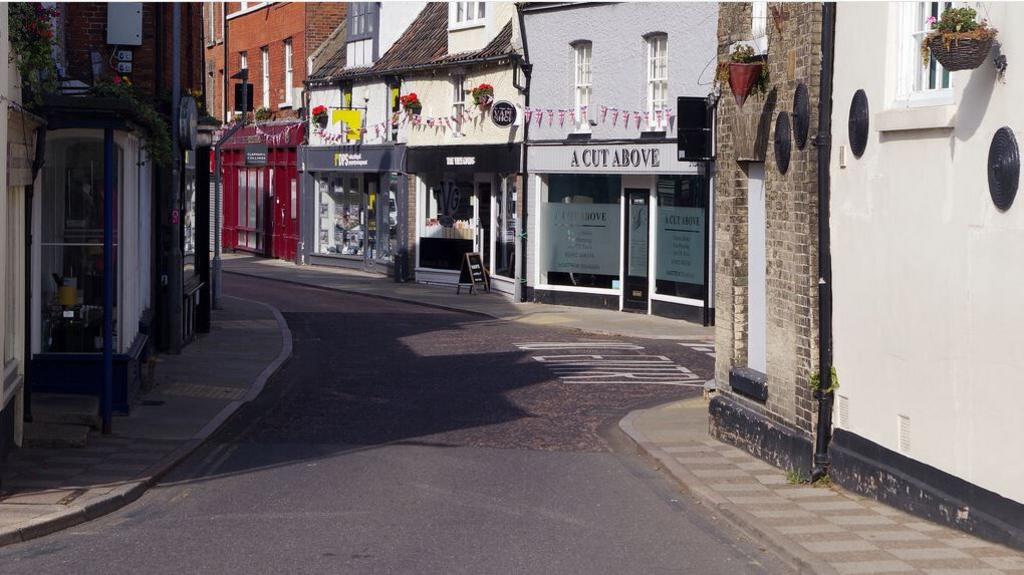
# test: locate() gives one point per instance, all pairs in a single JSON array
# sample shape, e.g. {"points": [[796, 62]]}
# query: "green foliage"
{"points": [[815, 382], [745, 55], [954, 25], [154, 127], [794, 477], [31, 43], [823, 482], [742, 55], [958, 20], [263, 114]]}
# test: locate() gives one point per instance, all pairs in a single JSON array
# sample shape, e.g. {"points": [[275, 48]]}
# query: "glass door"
{"points": [[483, 228], [635, 234], [505, 228]]}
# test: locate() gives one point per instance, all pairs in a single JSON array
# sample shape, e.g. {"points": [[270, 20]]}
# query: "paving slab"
{"points": [[47, 489], [815, 529]]}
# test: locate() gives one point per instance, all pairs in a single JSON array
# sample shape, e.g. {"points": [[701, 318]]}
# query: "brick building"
{"points": [[766, 238], [272, 40]]}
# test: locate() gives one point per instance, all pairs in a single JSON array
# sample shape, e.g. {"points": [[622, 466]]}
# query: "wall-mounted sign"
{"points": [[188, 127], [460, 161], [255, 154], [504, 114], [630, 158], [343, 160]]}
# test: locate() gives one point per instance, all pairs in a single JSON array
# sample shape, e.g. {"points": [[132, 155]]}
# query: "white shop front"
{"points": [[623, 226]]}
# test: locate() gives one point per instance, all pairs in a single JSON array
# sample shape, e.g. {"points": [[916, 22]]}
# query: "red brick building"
{"points": [[271, 39]]}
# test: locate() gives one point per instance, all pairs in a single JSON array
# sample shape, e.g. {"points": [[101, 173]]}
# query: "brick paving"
{"points": [[829, 528]]}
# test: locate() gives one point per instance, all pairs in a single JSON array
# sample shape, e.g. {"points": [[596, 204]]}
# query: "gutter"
{"points": [[374, 74], [823, 141], [527, 68]]}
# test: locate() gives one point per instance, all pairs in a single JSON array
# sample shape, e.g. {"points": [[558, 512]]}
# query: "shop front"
{"points": [[467, 202], [621, 226], [261, 190], [354, 198]]}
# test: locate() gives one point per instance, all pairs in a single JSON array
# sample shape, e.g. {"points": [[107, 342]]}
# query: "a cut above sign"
{"points": [[627, 158], [624, 157]]}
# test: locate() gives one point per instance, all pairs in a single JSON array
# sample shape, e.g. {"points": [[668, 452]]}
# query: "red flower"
{"points": [[319, 110]]}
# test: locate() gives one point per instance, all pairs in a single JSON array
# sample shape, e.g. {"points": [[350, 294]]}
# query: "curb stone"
{"points": [[784, 547], [128, 492]]}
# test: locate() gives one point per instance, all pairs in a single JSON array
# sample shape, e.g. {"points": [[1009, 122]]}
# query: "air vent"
{"points": [[842, 411], [904, 433]]}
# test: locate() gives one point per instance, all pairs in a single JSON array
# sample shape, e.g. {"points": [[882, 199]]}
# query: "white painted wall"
{"points": [[468, 39], [926, 271]]}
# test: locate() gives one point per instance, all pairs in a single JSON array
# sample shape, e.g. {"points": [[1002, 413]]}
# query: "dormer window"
{"points": [[361, 42], [466, 14]]}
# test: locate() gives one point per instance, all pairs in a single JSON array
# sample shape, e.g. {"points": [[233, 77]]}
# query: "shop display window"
{"points": [[580, 222], [341, 215], [71, 246], [681, 218], [449, 225], [505, 226]]}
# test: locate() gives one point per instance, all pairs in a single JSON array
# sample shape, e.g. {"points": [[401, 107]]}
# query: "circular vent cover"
{"points": [[1003, 168], [783, 142], [859, 123], [801, 115]]}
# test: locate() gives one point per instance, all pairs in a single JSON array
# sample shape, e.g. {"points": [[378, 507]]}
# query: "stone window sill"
{"points": [[920, 118]]}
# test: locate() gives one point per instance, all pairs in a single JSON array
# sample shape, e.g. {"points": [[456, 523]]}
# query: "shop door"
{"points": [[757, 271], [483, 226], [635, 234], [280, 217], [370, 213]]}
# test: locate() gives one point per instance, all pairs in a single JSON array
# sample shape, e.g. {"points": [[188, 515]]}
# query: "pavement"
{"points": [[820, 529], [49, 489], [494, 305]]}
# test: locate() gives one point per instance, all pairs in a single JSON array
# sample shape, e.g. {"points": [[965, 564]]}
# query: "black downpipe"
{"points": [[527, 67], [823, 141]]}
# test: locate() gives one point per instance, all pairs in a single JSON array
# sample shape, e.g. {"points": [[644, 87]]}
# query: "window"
{"points": [[758, 19], [458, 101], [250, 209], [505, 228], [210, 13], [361, 46], [448, 224], [395, 94], [265, 65], [917, 84], [289, 72], [580, 226], [342, 217], [581, 65], [680, 218], [466, 14], [657, 77], [243, 61]]}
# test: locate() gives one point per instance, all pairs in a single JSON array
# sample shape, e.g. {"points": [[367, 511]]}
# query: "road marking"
{"points": [[707, 349], [546, 345], [612, 369]]}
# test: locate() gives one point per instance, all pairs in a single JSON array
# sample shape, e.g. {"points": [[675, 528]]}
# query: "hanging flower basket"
{"points": [[483, 96], [957, 40], [320, 116], [742, 79], [960, 51], [411, 104]]}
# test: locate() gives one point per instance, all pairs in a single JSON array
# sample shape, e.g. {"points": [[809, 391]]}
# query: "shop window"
{"points": [[188, 219], [505, 229], [341, 220], [919, 85], [71, 246], [583, 86], [389, 218], [657, 77], [580, 222], [681, 216], [448, 226], [13, 263]]}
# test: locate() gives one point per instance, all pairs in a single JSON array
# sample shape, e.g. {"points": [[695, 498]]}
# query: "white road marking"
{"points": [[618, 369], [546, 345], [707, 349]]}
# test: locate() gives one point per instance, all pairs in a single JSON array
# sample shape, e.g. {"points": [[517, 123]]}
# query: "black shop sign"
{"points": [[504, 114], [255, 154]]}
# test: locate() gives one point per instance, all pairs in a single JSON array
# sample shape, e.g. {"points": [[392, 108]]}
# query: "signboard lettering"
{"points": [[584, 238], [681, 244], [473, 273], [255, 154], [460, 161], [504, 114], [624, 157], [344, 160]]}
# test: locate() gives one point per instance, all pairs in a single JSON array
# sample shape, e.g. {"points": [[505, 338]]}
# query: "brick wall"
{"points": [[794, 56], [305, 24]]}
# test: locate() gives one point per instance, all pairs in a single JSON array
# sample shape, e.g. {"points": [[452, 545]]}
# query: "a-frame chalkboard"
{"points": [[473, 273]]}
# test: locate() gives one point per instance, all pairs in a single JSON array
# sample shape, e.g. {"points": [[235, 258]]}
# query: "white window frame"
{"points": [[289, 72], [911, 74], [265, 75], [657, 80], [210, 13], [459, 15], [758, 19], [247, 7], [458, 82], [583, 84]]}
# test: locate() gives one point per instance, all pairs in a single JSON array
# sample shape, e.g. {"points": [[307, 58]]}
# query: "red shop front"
{"points": [[261, 190]]}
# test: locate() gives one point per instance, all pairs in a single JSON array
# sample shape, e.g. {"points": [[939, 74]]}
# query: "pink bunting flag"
{"points": [[615, 116], [551, 116], [539, 114], [561, 117], [572, 116], [583, 112], [637, 116], [604, 113], [527, 115]]}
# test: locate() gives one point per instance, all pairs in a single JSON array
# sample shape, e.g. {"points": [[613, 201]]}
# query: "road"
{"points": [[407, 439]]}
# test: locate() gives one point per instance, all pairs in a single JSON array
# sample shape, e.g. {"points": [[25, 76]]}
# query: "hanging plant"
{"points": [[483, 95], [263, 115], [157, 139], [320, 116], [411, 103], [31, 44], [957, 40], [745, 74]]}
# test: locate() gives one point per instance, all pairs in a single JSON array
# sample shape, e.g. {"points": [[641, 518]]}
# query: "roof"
{"points": [[329, 57], [424, 45]]}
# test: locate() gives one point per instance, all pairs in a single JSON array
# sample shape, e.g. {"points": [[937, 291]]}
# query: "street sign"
{"points": [[504, 114]]}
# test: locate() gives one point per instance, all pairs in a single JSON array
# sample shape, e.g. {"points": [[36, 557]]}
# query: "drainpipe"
{"points": [[175, 288], [527, 68], [823, 141]]}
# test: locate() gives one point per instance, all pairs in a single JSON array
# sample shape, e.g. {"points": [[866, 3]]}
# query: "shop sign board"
{"points": [[582, 238], [629, 158], [504, 114], [473, 273], [681, 244], [255, 154]]}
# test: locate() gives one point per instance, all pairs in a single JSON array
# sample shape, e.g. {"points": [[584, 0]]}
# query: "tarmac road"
{"points": [[406, 439]]}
